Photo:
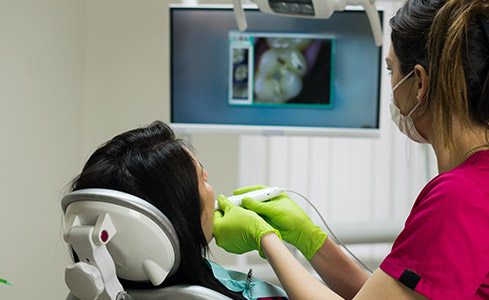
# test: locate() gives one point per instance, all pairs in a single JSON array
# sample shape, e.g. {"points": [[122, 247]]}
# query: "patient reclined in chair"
{"points": [[139, 221]]}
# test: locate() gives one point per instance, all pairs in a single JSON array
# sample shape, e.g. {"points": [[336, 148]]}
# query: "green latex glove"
{"points": [[238, 230], [247, 189], [294, 224]]}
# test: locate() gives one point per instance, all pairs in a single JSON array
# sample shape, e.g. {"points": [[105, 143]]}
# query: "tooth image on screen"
{"points": [[280, 71], [294, 61], [238, 55], [240, 73], [241, 85], [296, 43]]}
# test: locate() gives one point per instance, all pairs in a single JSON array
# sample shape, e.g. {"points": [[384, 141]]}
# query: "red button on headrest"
{"points": [[104, 236]]}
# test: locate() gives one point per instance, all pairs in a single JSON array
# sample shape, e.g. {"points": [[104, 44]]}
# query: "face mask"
{"points": [[405, 123]]}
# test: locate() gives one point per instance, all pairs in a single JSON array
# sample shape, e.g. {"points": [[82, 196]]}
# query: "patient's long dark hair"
{"points": [[152, 164]]}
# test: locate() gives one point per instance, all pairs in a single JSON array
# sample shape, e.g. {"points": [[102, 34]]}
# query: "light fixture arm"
{"points": [[321, 9]]}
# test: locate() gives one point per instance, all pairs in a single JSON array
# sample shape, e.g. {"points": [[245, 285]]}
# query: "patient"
{"points": [[152, 164]]}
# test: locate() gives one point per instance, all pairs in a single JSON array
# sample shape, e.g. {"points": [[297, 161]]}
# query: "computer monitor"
{"points": [[283, 75]]}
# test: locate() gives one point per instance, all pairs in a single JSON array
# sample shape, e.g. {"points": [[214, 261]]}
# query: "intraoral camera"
{"points": [[258, 195], [321, 9]]}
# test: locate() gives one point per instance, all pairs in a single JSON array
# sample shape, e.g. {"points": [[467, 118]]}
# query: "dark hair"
{"points": [[152, 164], [450, 39]]}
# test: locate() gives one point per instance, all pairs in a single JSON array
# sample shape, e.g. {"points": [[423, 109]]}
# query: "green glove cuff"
{"points": [[262, 234], [311, 240]]}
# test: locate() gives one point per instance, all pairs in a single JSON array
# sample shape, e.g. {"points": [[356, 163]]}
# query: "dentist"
{"points": [[439, 64]]}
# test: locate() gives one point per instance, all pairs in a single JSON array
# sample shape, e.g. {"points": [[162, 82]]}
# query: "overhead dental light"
{"points": [[321, 9]]}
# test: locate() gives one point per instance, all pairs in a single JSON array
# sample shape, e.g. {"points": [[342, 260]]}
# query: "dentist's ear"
{"points": [[421, 77]]}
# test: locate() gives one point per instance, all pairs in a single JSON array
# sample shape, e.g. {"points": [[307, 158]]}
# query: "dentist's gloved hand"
{"points": [[239, 230], [290, 219]]}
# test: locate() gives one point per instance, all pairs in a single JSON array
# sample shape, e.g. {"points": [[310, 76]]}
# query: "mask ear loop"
{"points": [[399, 84], [414, 108], [402, 80]]}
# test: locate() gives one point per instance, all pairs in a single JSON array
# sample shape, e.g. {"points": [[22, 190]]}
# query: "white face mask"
{"points": [[405, 123]]}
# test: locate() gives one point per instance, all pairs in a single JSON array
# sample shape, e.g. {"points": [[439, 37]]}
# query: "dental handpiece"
{"points": [[258, 195]]}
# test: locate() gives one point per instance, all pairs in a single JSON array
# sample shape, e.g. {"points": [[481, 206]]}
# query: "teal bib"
{"points": [[251, 288]]}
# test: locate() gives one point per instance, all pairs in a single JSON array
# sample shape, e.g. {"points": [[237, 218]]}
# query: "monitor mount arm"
{"points": [[321, 9]]}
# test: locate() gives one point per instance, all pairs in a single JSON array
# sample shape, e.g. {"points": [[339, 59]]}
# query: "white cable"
{"points": [[335, 238]]}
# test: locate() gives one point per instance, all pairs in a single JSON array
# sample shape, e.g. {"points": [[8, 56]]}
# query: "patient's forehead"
{"points": [[196, 162]]}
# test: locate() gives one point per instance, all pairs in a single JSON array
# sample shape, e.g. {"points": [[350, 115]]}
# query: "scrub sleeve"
{"points": [[443, 250]]}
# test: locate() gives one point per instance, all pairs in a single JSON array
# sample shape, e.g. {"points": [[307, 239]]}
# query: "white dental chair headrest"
{"points": [[139, 238]]}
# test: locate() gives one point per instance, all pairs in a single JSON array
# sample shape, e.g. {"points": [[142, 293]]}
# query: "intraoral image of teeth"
{"points": [[241, 73], [238, 55], [294, 60], [278, 89], [296, 43], [279, 75]]}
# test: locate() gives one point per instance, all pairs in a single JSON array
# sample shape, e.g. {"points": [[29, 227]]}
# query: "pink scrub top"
{"points": [[443, 250]]}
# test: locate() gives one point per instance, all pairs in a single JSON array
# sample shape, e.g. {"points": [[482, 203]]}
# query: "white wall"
{"points": [[126, 73], [127, 80], [41, 67]]}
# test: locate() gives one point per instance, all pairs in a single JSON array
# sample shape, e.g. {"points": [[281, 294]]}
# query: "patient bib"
{"points": [[250, 287]]}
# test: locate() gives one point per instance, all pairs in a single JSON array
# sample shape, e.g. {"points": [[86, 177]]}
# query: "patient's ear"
{"points": [[421, 77]]}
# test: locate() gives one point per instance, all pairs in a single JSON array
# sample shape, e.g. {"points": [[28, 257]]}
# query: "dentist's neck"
{"points": [[466, 140]]}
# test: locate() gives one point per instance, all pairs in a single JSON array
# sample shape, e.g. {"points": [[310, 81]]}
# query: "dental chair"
{"points": [[117, 235]]}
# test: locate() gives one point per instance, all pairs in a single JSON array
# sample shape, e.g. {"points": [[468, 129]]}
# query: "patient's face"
{"points": [[208, 199]]}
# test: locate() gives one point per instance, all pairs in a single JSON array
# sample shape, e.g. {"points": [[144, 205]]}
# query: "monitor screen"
{"points": [[282, 75]]}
